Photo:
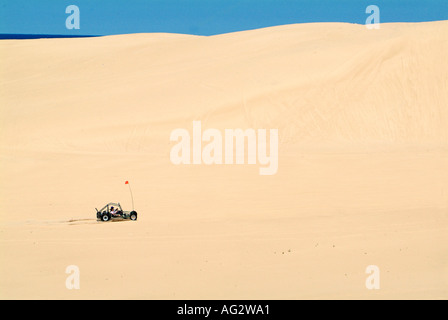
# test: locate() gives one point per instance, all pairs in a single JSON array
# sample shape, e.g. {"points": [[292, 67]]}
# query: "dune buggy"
{"points": [[113, 211]]}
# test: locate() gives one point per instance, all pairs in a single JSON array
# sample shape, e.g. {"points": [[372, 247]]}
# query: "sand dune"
{"points": [[362, 178]]}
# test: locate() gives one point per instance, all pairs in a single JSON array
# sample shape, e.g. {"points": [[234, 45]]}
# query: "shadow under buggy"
{"points": [[112, 211]]}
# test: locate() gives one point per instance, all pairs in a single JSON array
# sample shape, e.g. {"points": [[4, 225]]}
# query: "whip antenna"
{"points": [[130, 190]]}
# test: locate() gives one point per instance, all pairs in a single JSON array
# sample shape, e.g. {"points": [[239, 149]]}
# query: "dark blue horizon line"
{"points": [[20, 36]]}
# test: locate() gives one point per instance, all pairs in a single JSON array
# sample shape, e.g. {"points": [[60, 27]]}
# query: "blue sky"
{"points": [[201, 17]]}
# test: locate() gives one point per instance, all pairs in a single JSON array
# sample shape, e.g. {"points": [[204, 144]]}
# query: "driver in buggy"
{"points": [[113, 211]]}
